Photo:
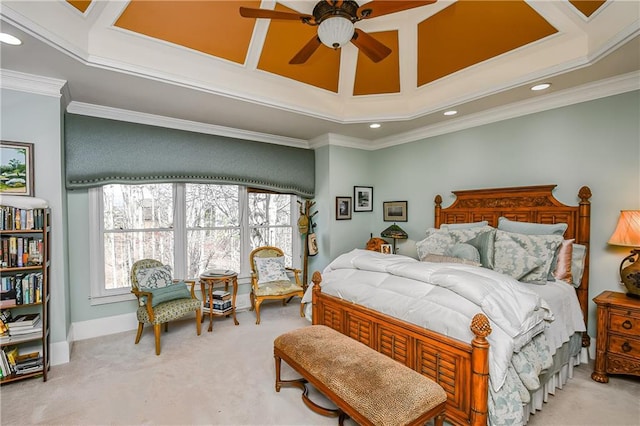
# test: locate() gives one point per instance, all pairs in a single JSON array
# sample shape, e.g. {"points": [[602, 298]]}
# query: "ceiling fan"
{"points": [[335, 20]]}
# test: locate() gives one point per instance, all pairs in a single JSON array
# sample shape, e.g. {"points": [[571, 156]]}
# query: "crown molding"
{"points": [[584, 93], [179, 124], [34, 84]]}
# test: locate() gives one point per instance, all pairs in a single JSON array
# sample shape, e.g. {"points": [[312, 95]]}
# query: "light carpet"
{"points": [[226, 377]]}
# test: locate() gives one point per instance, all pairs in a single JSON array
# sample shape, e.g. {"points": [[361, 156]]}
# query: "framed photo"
{"points": [[385, 248], [16, 168], [343, 208], [363, 196], [394, 211]]}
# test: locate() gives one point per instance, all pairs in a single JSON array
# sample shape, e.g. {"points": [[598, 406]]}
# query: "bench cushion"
{"points": [[381, 389]]}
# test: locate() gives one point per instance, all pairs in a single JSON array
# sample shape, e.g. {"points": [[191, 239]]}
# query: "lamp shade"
{"points": [[335, 32], [395, 232], [627, 232]]}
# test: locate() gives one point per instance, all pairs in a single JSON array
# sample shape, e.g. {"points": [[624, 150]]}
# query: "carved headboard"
{"points": [[525, 204]]}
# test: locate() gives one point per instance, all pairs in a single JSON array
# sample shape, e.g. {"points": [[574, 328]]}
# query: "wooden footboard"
{"points": [[462, 369]]}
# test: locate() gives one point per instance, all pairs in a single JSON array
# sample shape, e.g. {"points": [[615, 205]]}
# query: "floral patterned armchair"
{"points": [[160, 298], [270, 278]]}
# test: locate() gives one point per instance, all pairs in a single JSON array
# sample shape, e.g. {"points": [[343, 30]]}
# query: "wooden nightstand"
{"points": [[618, 344]]}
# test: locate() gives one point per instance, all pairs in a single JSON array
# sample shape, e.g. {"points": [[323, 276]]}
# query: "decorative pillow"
{"points": [[452, 226], [440, 258], [542, 247], [578, 258], [175, 291], [529, 228], [485, 244], [270, 269], [512, 259], [562, 260], [464, 251], [156, 277], [439, 240]]}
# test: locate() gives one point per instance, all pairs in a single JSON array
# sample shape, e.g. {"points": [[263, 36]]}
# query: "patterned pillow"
{"points": [[512, 259], [156, 277], [441, 258], [270, 269], [438, 241], [542, 247]]}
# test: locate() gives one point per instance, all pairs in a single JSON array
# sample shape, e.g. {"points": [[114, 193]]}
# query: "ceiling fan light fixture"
{"points": [[335, 32]]}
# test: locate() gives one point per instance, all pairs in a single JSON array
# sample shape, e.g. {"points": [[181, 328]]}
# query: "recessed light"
{"points": [[451, 112], [541, 86], [375, 125], [9, 39]]}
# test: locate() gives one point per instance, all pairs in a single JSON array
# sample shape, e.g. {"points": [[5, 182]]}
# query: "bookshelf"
{"points": [[24, 291]]}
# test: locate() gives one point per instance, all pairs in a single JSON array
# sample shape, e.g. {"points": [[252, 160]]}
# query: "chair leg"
{"points": [[258, 302], [139, 334], [156, 332], [253, 301], [166, 327], [302, 309], [198, 321]]}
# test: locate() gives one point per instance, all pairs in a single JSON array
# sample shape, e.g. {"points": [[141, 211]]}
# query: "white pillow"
{"points": [[270, 269]]}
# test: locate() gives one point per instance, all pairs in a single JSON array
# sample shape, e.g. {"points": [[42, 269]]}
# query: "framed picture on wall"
{"points": [[16, 168], [363, 198], [343, 208], [394, 211]]}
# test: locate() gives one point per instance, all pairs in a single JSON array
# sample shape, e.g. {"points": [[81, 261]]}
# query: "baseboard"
{"points": [[60, 352]]}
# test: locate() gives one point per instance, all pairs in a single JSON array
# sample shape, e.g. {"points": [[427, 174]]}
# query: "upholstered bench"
{"points": [[365, 385]]}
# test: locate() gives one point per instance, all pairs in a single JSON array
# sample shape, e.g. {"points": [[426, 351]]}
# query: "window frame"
{"points": [[100, 295]]}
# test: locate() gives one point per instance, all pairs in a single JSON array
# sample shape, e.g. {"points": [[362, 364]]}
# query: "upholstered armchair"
{"points": [[270, 278], [160, 298]]}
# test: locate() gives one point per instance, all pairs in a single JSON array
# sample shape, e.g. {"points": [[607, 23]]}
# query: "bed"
{"points": [[470, 367]]}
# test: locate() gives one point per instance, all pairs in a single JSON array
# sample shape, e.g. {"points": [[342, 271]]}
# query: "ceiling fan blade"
{"points": [[248, 12], [376, 8], [371, 47], [306, 52]]}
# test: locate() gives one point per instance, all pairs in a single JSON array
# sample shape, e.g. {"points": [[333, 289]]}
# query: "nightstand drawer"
{"points": [[624, 346], [624, 324]]}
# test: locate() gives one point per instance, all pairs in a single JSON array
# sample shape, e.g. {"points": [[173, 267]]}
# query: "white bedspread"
{"points": [[442, 297]]}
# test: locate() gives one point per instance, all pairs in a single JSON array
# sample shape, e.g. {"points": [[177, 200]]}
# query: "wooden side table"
{"points": [[207, 282], [618, 344]]}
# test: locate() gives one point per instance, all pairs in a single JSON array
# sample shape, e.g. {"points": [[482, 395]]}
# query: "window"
{"points": [[192, 227]]}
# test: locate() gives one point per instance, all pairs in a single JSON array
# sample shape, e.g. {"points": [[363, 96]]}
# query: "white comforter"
{"points": [[442, 297]]}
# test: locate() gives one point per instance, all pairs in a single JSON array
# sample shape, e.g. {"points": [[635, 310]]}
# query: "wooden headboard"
{"points": [[525, 204]]}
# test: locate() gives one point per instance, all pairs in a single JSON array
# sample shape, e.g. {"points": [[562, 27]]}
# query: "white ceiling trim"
{"points": [[178, 124], [33, 84], [584, 93]]}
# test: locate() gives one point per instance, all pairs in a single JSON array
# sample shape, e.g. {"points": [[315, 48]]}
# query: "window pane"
{"points": [[269, 209], [277, 237], [210, 206], [121, 249], [138, 206], [213, 249]]}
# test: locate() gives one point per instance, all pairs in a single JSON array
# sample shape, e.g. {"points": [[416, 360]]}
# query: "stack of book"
{"points": [[221, 302], [25, 326], [30, 363]]}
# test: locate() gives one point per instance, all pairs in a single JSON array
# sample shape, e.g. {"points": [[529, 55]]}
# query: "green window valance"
{"points": [[100, 151]]}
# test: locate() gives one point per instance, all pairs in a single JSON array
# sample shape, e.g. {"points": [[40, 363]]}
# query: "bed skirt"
{"points": [[568, 356]]}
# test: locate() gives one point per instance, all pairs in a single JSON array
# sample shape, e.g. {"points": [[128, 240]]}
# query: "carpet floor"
{"points": [[226, 377]]}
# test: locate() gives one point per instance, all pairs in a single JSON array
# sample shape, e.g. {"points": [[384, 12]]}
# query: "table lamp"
{"points": [[396, 233], [627, 234]]}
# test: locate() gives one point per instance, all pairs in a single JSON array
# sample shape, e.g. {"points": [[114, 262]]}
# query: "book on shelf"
{"points": [[222, 311], [24, 321], [22, 331], [218, 304]]}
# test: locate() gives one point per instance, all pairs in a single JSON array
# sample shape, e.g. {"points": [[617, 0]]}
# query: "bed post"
{"points": [[583, 235], [480, 370], [436, 218], [316, 278]]}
